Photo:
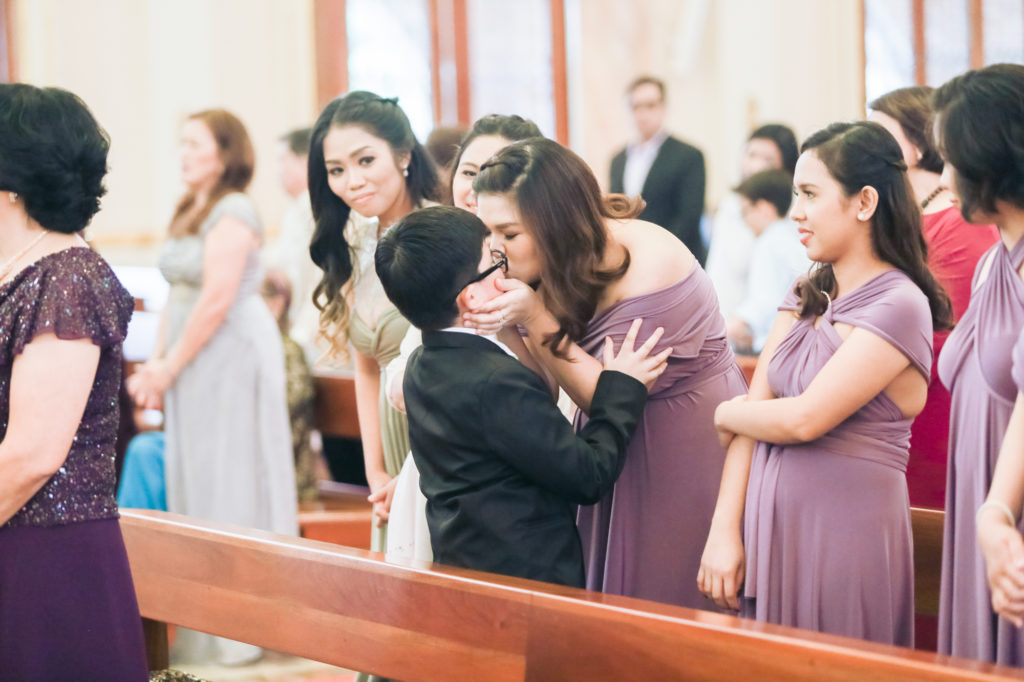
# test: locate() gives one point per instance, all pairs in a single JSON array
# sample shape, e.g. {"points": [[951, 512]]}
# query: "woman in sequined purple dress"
{"points": [[812, 526], [67, 604], [980, 130]]}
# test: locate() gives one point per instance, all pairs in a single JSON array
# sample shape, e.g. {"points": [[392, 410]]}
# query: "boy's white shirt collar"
{"points": [[490, 337]]}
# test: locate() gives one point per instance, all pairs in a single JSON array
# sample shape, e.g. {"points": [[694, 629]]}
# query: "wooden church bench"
{"points": [[349, 608]]}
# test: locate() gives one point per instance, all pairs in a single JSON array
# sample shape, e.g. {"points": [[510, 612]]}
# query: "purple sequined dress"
{"points": [[827, 523], [67, 603], [975, 366], [646, 537]]}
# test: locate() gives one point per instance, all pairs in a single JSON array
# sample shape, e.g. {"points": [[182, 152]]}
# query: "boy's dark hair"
{"points": [[774, 186], [298, 140], [424, 260]]}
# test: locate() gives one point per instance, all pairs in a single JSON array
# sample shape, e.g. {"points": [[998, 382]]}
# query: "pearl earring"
{"points": [[13, 196], [862, 217], [405, 171]]}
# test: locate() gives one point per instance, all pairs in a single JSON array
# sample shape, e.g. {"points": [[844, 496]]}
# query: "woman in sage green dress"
{"points": [[366, 170]]}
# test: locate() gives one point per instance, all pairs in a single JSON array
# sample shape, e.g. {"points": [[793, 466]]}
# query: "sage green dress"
{"points": [[376, 330]]}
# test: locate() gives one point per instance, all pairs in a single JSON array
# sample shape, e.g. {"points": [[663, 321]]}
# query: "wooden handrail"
{"points": [[420, 622]]}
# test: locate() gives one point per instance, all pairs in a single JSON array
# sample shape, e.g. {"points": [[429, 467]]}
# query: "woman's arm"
{"points": [[1000, 542], [225, 251], [862, 367], [367, 379], [723, 564], [50, 385]]}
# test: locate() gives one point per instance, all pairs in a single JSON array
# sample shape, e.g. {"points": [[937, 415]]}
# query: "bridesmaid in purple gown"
{"points": [[980, 130], [67, 604], [823, 435], [597, 269]]}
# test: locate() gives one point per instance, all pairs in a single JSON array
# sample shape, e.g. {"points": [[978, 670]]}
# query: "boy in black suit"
{"points": [[500, 466]]}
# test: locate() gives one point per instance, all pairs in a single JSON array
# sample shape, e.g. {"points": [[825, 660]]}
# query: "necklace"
{"points": [[5, 269], [928, 199]]}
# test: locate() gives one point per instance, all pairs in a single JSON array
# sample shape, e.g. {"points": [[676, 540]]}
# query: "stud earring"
{"points": [[862, 217], [13, 196]]}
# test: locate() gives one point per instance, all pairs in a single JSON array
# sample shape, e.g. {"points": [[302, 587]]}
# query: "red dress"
{"points": [[954, 248]]}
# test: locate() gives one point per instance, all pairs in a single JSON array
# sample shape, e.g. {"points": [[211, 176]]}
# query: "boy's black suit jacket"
{"points": [[500, 466]]}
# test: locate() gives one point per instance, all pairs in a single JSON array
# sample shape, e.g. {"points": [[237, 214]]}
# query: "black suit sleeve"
{"points": [[526, 430], [691, 187], [616, 172]]}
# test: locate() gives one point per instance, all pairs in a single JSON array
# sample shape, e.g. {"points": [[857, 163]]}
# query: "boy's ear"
{"points": [[466, 299]]}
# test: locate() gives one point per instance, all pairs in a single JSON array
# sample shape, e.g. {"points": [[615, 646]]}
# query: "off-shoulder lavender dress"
{"points": [[975, 366], [646, 537], [827, 523], [67, 604]]}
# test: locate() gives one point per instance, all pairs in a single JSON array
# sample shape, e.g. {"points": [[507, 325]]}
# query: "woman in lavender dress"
{"points": [[980, 129], [597, 269], [817, 461], [67, 604]]}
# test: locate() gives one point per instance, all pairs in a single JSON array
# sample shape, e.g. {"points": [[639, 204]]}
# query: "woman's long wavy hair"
{"points": [[859, 155], [560, 204], [236, 154], [329, 247]]}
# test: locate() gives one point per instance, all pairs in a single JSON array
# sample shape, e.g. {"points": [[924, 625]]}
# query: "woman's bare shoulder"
{"points": [[657, 258]]}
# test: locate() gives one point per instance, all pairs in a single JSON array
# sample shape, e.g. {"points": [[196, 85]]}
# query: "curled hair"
{"points": [[330, 247], [511, 127], [784, 139], [859, 155], [560, 203], [53, 153], [912, 109], [234, 148], [981, 133]]}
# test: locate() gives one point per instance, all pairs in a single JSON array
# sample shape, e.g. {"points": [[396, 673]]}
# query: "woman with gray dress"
{"points": [[218, 368]]}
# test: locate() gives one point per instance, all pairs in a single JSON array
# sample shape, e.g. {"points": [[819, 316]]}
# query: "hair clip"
{"points": [[388, 100]]}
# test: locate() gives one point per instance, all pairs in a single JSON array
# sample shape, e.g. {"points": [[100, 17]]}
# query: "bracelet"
{"points": [[1001, 507]]}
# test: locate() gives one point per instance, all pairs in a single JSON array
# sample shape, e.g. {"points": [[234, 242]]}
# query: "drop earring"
{"points": [[405, 171]]}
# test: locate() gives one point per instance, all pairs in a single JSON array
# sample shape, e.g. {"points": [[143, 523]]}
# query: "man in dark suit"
{"points": [[500, 466], [665, 171]]}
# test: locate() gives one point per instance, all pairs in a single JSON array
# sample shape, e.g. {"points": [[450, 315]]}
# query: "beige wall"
{"points": [[143, 65], [728, 65]]}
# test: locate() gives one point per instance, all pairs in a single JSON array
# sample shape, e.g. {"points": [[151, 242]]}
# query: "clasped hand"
{"points": [[1003, 549], [149, 383]]}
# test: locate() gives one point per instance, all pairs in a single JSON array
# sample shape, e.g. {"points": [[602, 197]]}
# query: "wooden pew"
{"points": [[416, 622], [335, 411]]}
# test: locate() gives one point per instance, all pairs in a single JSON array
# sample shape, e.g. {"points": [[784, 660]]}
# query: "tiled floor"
{"points": [[273, 667]]}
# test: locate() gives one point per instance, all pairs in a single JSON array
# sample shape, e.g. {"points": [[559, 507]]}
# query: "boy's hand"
{"points": [[639, 363]]}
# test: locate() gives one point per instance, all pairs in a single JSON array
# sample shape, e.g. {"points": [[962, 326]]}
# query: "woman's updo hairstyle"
{"points": [[863, 154], [511, 127], [53, 154], [329, 247]]}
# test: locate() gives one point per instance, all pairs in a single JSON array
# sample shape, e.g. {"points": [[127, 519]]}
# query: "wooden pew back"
{"points": [[349, 608]]}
